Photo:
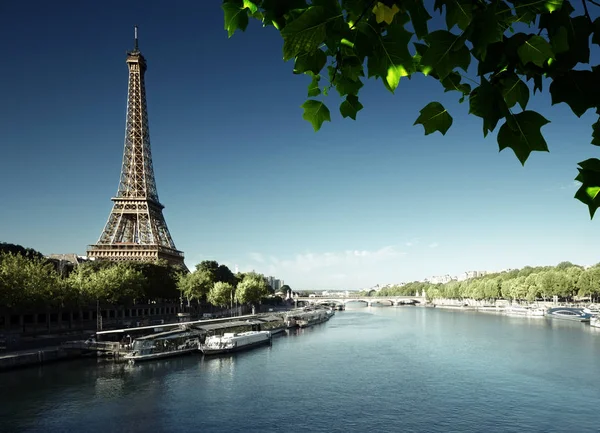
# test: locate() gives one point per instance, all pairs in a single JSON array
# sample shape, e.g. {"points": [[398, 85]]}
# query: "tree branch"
{"points": [[587, 14], [362, 14], [594, 3]]}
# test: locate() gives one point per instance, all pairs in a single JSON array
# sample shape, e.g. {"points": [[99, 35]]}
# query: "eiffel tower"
{"points": [[136, 229]]}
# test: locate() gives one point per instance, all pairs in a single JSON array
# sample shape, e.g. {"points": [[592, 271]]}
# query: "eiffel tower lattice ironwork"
{"points": [[136, 229]]}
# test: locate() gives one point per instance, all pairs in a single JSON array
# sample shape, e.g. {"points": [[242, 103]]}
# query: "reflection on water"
{"points": [[369, 369]]}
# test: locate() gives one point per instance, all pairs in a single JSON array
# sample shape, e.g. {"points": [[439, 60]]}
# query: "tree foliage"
{"points": [[251, 289], [494, 54], [565, 280], [28, 281], [119, 283], [197, 284], [221, 294], [29, 253]]}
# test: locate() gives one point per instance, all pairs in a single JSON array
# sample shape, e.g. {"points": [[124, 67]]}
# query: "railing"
{"points": [[105, 347], [133, 246]]}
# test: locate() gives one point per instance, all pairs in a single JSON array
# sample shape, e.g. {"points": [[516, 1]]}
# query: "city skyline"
{"points": [[244, 178]]}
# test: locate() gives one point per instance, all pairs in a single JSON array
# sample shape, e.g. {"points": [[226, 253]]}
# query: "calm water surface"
{"points": [[403, 369]]}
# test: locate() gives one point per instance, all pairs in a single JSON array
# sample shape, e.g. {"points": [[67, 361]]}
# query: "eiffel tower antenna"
{"points": [[135, 37], [136, 229]]}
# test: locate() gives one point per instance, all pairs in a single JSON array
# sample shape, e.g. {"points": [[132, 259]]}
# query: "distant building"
{"points": [[275, 283], [471, 274], [70, 258], [441, 279]]}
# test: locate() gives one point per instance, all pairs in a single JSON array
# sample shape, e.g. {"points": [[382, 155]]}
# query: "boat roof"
{"points": [[225, 325], [166, 334], [203, 323], [270, 319]]}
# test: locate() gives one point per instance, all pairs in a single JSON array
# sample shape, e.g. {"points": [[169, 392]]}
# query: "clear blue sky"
{"points": [[244, 178]]}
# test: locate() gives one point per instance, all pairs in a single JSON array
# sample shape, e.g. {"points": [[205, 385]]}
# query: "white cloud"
{"points": [[257, 257], [434, 245], [573, 185], [350, 268]]}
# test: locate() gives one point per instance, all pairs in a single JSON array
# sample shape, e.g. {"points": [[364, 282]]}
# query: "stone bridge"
{"points": [[368, 300]]}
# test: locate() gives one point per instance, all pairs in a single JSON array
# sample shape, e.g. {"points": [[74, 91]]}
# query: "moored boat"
{"points": [[273, 324], [170, 343], [232, 342], [308, 316], [569, 313], [314, 317], [519, 310]]}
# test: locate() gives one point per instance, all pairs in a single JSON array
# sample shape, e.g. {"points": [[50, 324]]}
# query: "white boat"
{"points": [[569, 313], [170, 343], [234, 342], [594, 310], [519, 310]]}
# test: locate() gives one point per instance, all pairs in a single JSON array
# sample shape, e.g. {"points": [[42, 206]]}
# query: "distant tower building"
{"points": [[136, 229]]}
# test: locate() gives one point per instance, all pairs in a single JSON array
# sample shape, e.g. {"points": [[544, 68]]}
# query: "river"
{"points": [[405, 369]]}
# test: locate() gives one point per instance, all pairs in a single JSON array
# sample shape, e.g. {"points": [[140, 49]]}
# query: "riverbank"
{"points": [[28, 358]]}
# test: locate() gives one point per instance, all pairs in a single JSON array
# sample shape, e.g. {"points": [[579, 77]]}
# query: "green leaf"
{"points": [[385, 13], [236, 16], [391, 59], [418, 15], [524, 136], [434, 117], [316, 113], [248, 4], [350, 107], [313, 62], [528, 10], [453, 82], [589, 192], [352, 68], [596, 37], [446, 51], [487, 102], [578, 89], [514, 91], [313, 87], [486, 30], [536, 50], [275, 10], [596, 133], [560, 41], [305, 33], [346, 86], [458, 12]]}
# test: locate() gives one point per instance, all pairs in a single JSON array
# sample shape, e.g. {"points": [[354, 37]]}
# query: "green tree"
{"points": [[589, 282], [116, 284], [194, 285], [29, 281], [494, 55], [285, 289], [161, 279], [221, 294], [251, 289]]}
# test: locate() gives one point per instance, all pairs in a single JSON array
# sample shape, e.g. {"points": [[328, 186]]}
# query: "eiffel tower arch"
{"points": [[136, 229]]}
